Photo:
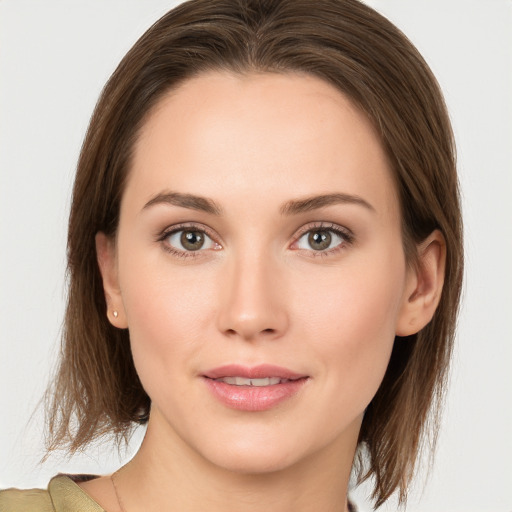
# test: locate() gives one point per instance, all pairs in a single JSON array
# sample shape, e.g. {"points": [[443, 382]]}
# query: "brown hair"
{"points": [[347, 44]]}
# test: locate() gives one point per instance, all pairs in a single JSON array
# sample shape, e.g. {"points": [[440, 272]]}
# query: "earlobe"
{"points": [[107, 262], [424, 286]]}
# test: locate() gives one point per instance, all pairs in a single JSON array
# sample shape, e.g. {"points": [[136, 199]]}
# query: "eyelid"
{"points": [[182, 226], [327, 226]]}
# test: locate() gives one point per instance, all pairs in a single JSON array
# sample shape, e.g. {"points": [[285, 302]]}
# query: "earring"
{"points": [[115, 313]]}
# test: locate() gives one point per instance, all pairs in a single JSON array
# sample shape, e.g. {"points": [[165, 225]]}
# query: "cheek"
{"points": [[350, 316], [168, 311]]}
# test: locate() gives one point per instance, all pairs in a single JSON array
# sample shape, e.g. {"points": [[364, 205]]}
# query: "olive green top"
{"points": [[63, 495]]}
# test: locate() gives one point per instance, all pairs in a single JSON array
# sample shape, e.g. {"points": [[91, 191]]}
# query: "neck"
{"points": [[177, 478]]}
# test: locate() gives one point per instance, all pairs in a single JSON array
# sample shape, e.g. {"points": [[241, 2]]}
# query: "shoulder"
{"points": [[29, 500], [63, 495]]}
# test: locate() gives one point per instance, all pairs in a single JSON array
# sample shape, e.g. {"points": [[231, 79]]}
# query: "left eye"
{"points": [[320, 240], [190, 240]]}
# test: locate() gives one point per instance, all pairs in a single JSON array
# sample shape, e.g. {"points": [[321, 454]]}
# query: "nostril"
{"points": [[266, 332]]}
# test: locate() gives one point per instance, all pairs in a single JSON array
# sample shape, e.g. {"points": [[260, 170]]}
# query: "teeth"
{"points": [[242, 381]]}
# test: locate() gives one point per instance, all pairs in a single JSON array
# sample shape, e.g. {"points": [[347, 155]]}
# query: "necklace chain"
{"points": [[112, 479]]}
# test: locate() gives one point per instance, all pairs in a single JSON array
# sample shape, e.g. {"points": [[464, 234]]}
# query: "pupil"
{"points": [[192, 240], [319, 240]]}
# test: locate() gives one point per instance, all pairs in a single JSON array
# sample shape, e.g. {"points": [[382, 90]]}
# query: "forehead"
{"points": [[260, 135]]}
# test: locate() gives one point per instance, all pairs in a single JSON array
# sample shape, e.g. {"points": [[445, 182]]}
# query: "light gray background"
{"points": [[55, 57]]}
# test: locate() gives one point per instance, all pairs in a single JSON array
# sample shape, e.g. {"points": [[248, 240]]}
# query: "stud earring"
{"points": [[115, 313]]}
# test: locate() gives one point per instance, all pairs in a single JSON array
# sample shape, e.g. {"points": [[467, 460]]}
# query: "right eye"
{"points": [[189, 240]]}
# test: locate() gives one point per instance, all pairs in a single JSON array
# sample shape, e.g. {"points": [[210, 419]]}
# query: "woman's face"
{"points": [[259, 238]]}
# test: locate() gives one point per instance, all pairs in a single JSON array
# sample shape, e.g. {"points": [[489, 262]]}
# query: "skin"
{"points": [[258, 292]]}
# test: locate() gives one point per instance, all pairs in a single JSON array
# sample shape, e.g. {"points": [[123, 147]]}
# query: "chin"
{"points": [[254, 462], [254, 454]]}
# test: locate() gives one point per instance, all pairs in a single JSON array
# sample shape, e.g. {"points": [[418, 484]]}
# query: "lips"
{"points": [[257, 388], [261, 371]]}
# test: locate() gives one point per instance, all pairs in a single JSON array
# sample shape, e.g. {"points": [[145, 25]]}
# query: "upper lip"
{"points": [[252, 372]]}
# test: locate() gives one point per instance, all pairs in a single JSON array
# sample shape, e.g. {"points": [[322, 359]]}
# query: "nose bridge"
{"points": [[252, 304]]}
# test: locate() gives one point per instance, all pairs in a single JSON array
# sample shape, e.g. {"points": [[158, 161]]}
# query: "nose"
{"points": [[253, 299]]}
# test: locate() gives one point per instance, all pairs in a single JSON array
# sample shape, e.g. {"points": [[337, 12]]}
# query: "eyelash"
{"points": [[345, 234], [184, 227]]}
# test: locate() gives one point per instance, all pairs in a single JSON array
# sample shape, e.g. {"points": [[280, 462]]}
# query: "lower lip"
{"points": [[254, 398]]}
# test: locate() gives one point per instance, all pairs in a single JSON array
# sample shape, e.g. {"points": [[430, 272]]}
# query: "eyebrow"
{"points": [[292, 207], [189, 201], [307, 204]]}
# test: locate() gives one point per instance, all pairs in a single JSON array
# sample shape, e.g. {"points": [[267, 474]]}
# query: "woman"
{"points": [[265, 263]]}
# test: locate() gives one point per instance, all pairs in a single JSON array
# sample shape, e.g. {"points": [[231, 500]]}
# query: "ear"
{"points": [[424, 284], [107, 261]]}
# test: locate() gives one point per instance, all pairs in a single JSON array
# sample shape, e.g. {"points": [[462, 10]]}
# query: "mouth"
{"points": [[243, 381], [253, 389]]}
